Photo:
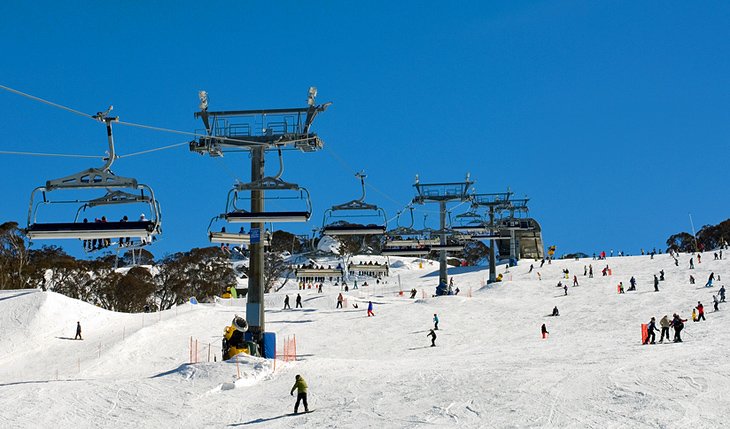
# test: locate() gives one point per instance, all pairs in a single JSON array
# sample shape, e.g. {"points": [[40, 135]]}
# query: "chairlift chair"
{"points": [[118, 191], [336, 218]]}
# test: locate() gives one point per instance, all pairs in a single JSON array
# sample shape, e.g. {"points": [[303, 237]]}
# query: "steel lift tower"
{"points": [[258, 131], [496, 202], [442, 193]]}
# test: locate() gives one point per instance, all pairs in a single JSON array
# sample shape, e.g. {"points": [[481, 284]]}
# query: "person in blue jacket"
{"points": [[651, 335], [435, 322]]}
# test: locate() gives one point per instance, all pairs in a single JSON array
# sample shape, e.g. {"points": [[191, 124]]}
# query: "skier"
{"points": [[299, 302], [678, 324], [632, 281], [301, 387], [651, 335], [665, 324], [78, 331], [413, 293], [700, 312], [715, 302], [656, 283], [370, 309], [340, 298], [435, 322], [432, 334], [544, 331], [710, 279], [722, 293], [555, 311], [286, 302]]}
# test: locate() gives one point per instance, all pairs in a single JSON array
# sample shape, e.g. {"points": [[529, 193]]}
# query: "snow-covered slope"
{"points": [[490, 367]]}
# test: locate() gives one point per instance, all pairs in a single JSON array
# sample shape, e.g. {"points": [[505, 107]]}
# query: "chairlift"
{"points": [[118, 191], [235, 238], [342, 219], [234, 214]]}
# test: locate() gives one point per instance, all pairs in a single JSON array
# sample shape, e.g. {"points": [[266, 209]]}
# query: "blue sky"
{"points": [[611, 116]]}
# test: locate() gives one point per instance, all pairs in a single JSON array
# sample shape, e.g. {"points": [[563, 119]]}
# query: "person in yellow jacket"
{"points": [[301, 387]]}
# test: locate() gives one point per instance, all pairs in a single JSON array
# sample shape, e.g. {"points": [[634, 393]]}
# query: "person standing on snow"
{"points": [[665, 324], [435, 322], [710, 279], [544, 331], [661, 275], [340, 299], [715, 302], [691, 279], [575, 280], [651, 335], [78, 331], [566, 289], [691, 263], [678, 325], [286, 302], [656, 283], [299, 302], [722, 293], [370, 309], [590, 271], [632, 282], [301, 387], [432, 334], [700, 311]]}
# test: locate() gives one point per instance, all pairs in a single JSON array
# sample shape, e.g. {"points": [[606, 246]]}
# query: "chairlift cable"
{"points": [[50, 103], [61, 155], [143, 152]]}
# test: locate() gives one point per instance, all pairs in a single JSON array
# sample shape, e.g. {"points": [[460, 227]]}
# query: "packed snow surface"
{"points": [[490, 366]]}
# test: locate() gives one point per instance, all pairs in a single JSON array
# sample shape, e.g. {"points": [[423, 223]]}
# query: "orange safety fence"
{"points": [[289, 349]]}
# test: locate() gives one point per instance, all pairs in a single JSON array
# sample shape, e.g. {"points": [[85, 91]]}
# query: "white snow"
{"points": [[490, 367]]}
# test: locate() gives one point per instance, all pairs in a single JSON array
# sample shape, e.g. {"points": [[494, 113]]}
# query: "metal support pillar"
{"points": [[255, 295], [443, 276], [512, 247], [492, 256]]}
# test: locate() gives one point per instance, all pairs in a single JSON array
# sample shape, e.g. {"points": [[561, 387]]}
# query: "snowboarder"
{"points": [[678, 324], [700, 312], [555, 311], [544, 331], [340, 298], [665, 324], [710, 279], [435, 322], [286, 302], [299, 302], [301, 387], [432, 334], [656, 283], [651, 335], [78, 331], [370, 309]]}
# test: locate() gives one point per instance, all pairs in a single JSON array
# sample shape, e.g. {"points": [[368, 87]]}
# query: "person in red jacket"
{"points": [[700, 312]]}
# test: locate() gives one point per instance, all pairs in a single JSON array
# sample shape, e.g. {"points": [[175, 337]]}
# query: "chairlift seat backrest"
{"points": [[91, 230]]}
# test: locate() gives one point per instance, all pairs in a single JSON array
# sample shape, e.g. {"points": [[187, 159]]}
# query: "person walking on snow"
{"points": [[340, 298], [710, 279], [286, 302], [299, 302], [651, 335], [700, 312], [301, 387], [665, 324], [78, 331], [370, 309], [678, 325], [432, 334], [575, 280], [435, 322], [544, 331]]}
